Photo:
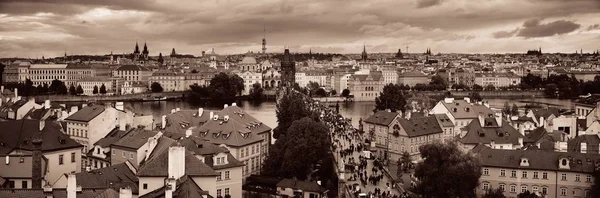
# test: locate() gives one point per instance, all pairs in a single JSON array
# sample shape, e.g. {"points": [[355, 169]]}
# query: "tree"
{"points": [[256, 92], [95, 91], [305, 139], [55, 86], [405, 161], [194, 71], [527, 194], [474, 96], [72, 90], [79, 90], [102, 89], [345, 93], [62, 89], [225, 87], [39, 90], [550, 90], [391, 98], [595, 191], [438, 80], [333, 92], [506, 109], [312, 87], [446, 171], [156, 87], [490, 87], [45, 89], [477, 87], [494, 193], [321, 92], [292, 106], [514, 110]]}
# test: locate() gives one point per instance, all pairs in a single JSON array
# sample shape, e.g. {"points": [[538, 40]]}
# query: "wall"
{"points": [[129, 97], [55, 170], [234, 183], [130, 155], [208, 184], [153, 184]]}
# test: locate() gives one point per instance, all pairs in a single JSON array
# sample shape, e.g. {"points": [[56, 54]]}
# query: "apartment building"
{"points": [[461, 112], [134, 73], [412, 78], [492, 131], [168, 80], [497, 79], [250, 78], [413, 133], [383, 124], [366, 87], [134, 147]]}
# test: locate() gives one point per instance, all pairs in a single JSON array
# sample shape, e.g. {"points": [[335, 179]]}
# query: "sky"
{"points": [[36, 28]]}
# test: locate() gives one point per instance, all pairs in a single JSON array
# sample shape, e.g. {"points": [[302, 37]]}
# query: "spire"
{"points": [[145, 49], [264, 40], [137, 48], [364, 52]]}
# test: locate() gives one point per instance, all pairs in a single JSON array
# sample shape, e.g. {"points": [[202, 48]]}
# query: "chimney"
{"points": [[42, 125], [119, 106], [499, 119], [177, 109], [212, 114], [36, 167], [71, 186], [200, 112], [188, 133], [234, 104], [170, 187], [125, 192], [522, 130], [176, 166], [173, 110], [47, 104], [467, 99], [164, 121], [225, 106], [521, 141], [583, 147], [481, 120], [16, 92], [152, 142]]}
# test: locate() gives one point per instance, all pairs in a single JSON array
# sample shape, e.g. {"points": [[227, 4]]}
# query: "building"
{"points": [[168, 80], [271, 78], [17, 109], [11, 72], [77, 71], [288, 69], [115, 177], [134, 147], [249, 63], [247, 138], [250, 78], [546, 173], [366, 87], [133, 73], [390, 75], [497, 79], [412, 78], [36, 152], [493, 132], [411, 134], [100, 155], [383, 124], [321, 77], [89, 83], [584, 106], [461, 112], [298, 188], [447, 126]]}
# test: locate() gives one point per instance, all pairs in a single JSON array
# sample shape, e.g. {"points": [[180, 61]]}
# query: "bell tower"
{"points": [[288, 69]]}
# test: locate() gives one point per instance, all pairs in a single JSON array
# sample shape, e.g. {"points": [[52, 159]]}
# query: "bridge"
{"points": [[348, 147]]}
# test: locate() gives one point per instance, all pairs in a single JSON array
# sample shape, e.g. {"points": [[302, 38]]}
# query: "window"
{"points": [[502, 187], [73, 157], [502, 173], [545, 175], [124, 156], [588, 178], [226, 174], [145, 186], [11, 184], [486, 186], [23, 184], [114, 152], [523, 189], [563, 177], [587, 193], [130, 155], [535, 175], [60, 159], [218, 192], [563, 191], [544, 190], [524, 175], [534, 188], [486, 171], [577, 178], [513, 173], [219, 176], [513, 188], [226, 191]]}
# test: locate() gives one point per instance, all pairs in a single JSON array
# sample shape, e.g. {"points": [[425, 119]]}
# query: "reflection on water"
{"points": [[265, 111]]}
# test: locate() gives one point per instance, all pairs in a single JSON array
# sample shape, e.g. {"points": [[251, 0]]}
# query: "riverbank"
{"points": [[458, 94], [125, 98]]}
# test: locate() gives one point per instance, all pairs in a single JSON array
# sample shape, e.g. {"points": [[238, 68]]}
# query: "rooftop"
{"points": [[383, 118], [20, 133], [135, 138], [116, 176], [421, 126], [87, 113], [237, 129]]}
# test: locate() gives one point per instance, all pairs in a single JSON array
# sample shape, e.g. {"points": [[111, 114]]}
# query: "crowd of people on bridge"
{"points": [[347, 141]]}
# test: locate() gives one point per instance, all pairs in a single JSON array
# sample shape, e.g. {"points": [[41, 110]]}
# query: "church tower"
{"points": [[288, 69], [363, 56], [145, 52], [136, 52], [264, 42]]}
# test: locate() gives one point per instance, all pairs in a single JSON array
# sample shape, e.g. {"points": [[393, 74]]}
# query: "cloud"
{"points": [[505, 34], [534, 28], [428, 3], [593, 27]]}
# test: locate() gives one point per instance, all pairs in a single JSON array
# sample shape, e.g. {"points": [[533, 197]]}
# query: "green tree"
{"points": [[306, 139], [333, 92], [474, 96], [95, 91], [345, 93], [102, 89], [155, 87], [477, 87], [391, 98], [79, 90], [527, 194], [321, 92], [494, 193], [446, 171], [256, 92], [72, 90]]}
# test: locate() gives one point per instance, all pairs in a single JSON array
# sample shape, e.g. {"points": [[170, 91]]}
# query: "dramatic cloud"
{"points": [[534, 28], [49, 27]]}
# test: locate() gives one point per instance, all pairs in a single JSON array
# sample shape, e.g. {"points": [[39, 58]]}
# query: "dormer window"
{"points": [[225, 136], [524, 162], [216, 135], [563, 163]]}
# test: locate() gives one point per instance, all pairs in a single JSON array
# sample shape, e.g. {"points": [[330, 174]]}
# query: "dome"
{"points": [[248, 60]]}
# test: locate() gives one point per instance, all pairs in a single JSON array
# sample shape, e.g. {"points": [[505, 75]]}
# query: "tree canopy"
{"points": [[474, 96], [493, 193], [345, 93], [72, 90], [256, 92], [79, 90], [226, 87], [391, 98], [312, 87], [103, 89], [290, 107], [446, 171], [527, 194], [155, 87], [321, 93], [95, 91]]}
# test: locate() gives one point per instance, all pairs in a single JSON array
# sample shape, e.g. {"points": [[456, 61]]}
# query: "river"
{"points": [[265, 111]]}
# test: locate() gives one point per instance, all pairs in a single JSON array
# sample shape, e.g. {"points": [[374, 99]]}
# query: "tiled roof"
{"points": [[157, 166], [413, 74], [86, 114], [443, 120], [589, 101], [374, 75], [19, 133], [180, 121], [115, 177], [110, 138], [248, 60], [383, 118], [538, 159], [241, 128], [466, 110], [78, 66], [186, 188], [421, 126], [505, 134], [164, 73], [36, 114], [545, 112], [132, 68], [58, 193], [135, 138], [301, 185], [592, 141]]}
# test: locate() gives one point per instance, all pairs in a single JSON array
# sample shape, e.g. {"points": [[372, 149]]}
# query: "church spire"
{"points": [[364, 52], [137, 48], [145, 49]]}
